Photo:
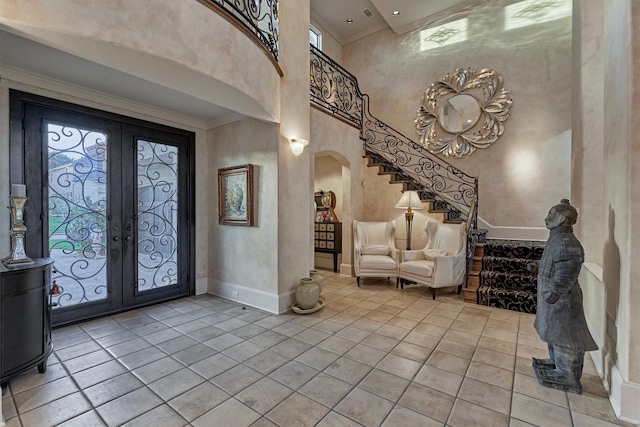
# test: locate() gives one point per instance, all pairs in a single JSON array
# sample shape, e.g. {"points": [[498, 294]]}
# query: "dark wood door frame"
{"points": [[27, 166]]}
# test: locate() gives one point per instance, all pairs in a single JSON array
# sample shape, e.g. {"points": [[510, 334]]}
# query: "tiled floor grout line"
{"points": [[140, 324], [145, 385]]}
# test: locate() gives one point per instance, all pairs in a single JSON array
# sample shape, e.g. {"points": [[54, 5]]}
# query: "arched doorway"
{"points": [[332, 172]]}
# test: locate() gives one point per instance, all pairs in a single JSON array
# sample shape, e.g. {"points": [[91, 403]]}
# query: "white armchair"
{"points": [[442, 263], [374, 249]]}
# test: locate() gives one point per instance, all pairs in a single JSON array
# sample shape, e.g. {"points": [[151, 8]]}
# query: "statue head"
{"points": [[560, 215]]}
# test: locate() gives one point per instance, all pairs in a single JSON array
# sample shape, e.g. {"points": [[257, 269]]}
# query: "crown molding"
{"points": [[117, 103]]}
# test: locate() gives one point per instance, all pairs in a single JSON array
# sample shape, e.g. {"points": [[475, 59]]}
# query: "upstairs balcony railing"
{"points": [[336, 91], [258, 18]]}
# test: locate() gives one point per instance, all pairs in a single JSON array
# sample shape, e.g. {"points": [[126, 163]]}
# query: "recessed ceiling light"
{"points": [[396, 13], [349, 21]]}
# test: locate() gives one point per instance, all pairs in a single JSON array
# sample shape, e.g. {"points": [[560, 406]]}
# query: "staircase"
{"points": [[445, 188], [397, 176], [508, 278], [498, 271], [470, 292]]}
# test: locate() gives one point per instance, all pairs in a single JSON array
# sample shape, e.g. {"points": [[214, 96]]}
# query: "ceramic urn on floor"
{"points": [[307, 294], [315, 275]]}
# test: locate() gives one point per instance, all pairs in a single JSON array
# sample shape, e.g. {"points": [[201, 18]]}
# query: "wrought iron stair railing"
{"points": [[335, 90]]}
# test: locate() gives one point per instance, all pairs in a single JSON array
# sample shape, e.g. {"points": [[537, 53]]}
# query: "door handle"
{"points": [[116, 238]]}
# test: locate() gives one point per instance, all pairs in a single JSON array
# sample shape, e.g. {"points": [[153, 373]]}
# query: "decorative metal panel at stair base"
{"points": [[509, 274], [463, 112]]}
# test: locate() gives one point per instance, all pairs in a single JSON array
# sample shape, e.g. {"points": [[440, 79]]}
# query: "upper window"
{"points": [[315, 38]]}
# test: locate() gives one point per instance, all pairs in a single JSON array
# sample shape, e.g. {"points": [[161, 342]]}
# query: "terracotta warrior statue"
{"points": [[560, 320]]}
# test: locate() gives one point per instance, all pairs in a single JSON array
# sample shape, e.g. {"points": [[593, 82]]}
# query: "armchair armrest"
{"points": [[449, 270]]}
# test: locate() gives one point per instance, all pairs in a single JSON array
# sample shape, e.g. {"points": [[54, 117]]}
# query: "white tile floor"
{"points": [[372, 356]]}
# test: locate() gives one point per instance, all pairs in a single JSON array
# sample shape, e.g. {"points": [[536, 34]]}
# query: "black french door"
{"points": [[110, 200]]}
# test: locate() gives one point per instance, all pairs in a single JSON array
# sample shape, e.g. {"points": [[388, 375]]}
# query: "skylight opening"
{"points": [[444, 35], [532, 12]]}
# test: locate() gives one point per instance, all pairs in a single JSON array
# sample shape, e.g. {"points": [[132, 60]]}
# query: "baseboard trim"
{"points": [[272, 303], [347, 270], [624, 398]]}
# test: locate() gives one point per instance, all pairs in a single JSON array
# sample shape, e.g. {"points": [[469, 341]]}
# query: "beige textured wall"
{"points": [[611, 294], [330, 46], [528, 169], [240, 255], [295, 174], [616, 163], [588, 124], [178, 37], [341, 141]]}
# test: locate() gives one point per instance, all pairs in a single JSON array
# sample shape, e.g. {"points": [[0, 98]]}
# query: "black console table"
{"points": [[25, 318], [328, 239]]}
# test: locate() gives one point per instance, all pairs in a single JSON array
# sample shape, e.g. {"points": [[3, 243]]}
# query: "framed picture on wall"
{"points": [[235, 195]]}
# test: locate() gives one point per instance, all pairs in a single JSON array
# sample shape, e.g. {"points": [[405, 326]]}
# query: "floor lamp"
{"points": [[409, 200]]}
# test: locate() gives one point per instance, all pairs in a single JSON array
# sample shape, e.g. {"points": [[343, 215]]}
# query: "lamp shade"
{"points": [[410, 200], [297, 145]]}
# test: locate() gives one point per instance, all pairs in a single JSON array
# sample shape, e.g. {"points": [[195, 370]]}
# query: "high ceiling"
{"points": [[24, 55], [369, 16]]}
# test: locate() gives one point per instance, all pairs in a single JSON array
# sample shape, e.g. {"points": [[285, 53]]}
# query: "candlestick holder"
{"points": [[18, 230]]}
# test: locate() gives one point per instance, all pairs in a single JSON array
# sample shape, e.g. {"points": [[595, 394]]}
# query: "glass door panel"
{"points": [[157, 179], [110, 200], [77, 206]]}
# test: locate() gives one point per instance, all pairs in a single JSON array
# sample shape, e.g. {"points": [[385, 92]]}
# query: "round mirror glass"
{"points": [[459, 113]]}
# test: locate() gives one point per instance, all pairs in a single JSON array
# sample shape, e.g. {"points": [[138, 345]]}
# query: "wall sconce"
{"points": [[297, 145], [409, 200]]}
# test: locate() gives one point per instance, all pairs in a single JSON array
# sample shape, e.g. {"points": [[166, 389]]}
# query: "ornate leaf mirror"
{"points": [[463, 112]]}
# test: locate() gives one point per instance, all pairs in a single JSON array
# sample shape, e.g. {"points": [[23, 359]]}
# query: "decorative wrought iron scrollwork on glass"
{"points": [[77, 174], [463, 112], [157, 215], [334, 89], [260, 17]]}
